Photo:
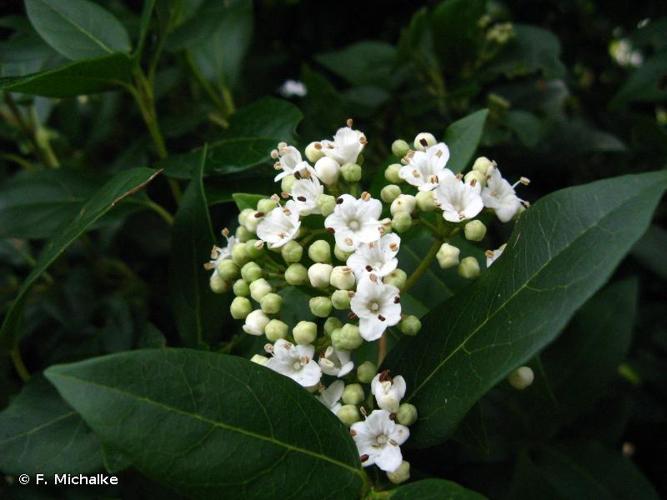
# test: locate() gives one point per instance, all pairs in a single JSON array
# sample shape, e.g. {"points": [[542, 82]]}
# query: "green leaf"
{"points": [[462, 138], [40, 433], [434, 489], [25, 54], [561, 251], [78, 29], [650, 250], [246, 200], [82, 77], [212, 425], [646, 83], [362, 63], [456, 31], [198, 311], [253, 132], [121, 186]]}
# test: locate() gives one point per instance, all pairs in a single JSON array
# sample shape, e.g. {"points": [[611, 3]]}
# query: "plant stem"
{"points": [[161, 212], [19, 365], [423, 265], [382, 348]]}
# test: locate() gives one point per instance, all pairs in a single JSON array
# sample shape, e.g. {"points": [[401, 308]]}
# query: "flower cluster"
{"points": [[341, 248]]}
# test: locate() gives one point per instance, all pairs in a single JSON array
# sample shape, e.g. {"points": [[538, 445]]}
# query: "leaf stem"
{"points": [[423, 265], [19, 365]]}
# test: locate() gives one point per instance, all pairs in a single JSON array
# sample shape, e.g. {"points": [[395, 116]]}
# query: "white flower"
{"points": [[355, 221], [425, 168], [305, 192], [218, 254], [377, 305], [346, 146], [378, 440], [378, 257], [280, 225], [492, 255], [255, 322], [336, 362], [458, 200], [328, 170], [291, 88], [289, 161], [388, 393], [295, 362], [500, 196], [330, 397]]}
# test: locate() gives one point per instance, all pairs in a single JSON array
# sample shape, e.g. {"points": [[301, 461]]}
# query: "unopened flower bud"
{"points": [[475, 230], [227, 269], [403, 203], [320, 251], [341, 254], [424, 140], [275, 330], [286, 183], [353, 394], [351, 172], [326, 203], [259, 288], [348, 414], [243, 235], [469, 268], [397, 278], [255, 322], [319, 275], [240, 308], [251, 272], [259, 359], [521, 377], [400, 475], [305, 332], [241, 288], [254, 248], [448, 256], [240, 255], [390, 192], [244, 214], [391, 173], [475, 177], [400, 148], [346, 338], [265, 205], [291, 252], [270, 303], [340, 299], [401, 222], [482, 165], [366, 371], [410, 325], [218, 284], [296, 274], [314, 152], [332, 323], [425, 201], [252, 221], [320, 306], [327, 169], [406, 414], [342, 278]]}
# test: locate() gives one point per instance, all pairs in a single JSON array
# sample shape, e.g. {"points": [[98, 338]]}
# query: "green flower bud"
{"points": [[240, 255], [217, 284], [403, 203], [254, 248], [296, 274], [320, 306], [227, 269], [340, 299], [251, 272], [391, 173], [276, 330], [341, 254], [259, 359], [351, 172], [400, 148], [366, 371], [332, 323], [241, 288], [424, 140], [469, 268], [291, 252], [475, 230], [243, 235], [448, 256], [401, 222], [425, 201], [346, 338], [397, 277], [259, 288], [353, 394], [400, 475], [410, 325], [319, 275], [348, 414], [240, 308], [286, 183], [252, 220], [265, 205], [390, 192], [271, 303], [342, 278], [475, 177], [244, 214], [314, 152], [521, 378], [305, 332], [326, 203], [407, 414], [482, 165], [320, 251]]}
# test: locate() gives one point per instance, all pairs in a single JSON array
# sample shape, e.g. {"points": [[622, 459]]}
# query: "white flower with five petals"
{"points": [[500, 195], [289, 161], [378, 440], [355, 221], [346, 146], [388, 393], [424, 169], [330, 397], [377, 305], [336, 362], [458, 200], [295, 362], [280, 225], [377, 257], [305, 192]]}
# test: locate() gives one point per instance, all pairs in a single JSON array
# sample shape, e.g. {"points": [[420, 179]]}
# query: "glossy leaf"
{"points": [[434, 489], [78, 29], [650, 250], [561, 251], [212, 425], [362, 63], [462, 138], [246, 200]]}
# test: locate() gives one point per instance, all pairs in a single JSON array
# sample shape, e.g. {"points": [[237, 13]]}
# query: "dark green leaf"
{"points": [[434, 489], [362, 63], [462, 137], [121, 186], [650, 250], [646, 83], [562, 250], [246, 200], [456, 31], [78, 29], [40, 433], [213, 425], [527, 127], [25, 54]]}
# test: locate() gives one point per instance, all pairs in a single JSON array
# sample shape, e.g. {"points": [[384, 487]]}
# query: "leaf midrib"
{"points": [[40, 427]]}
